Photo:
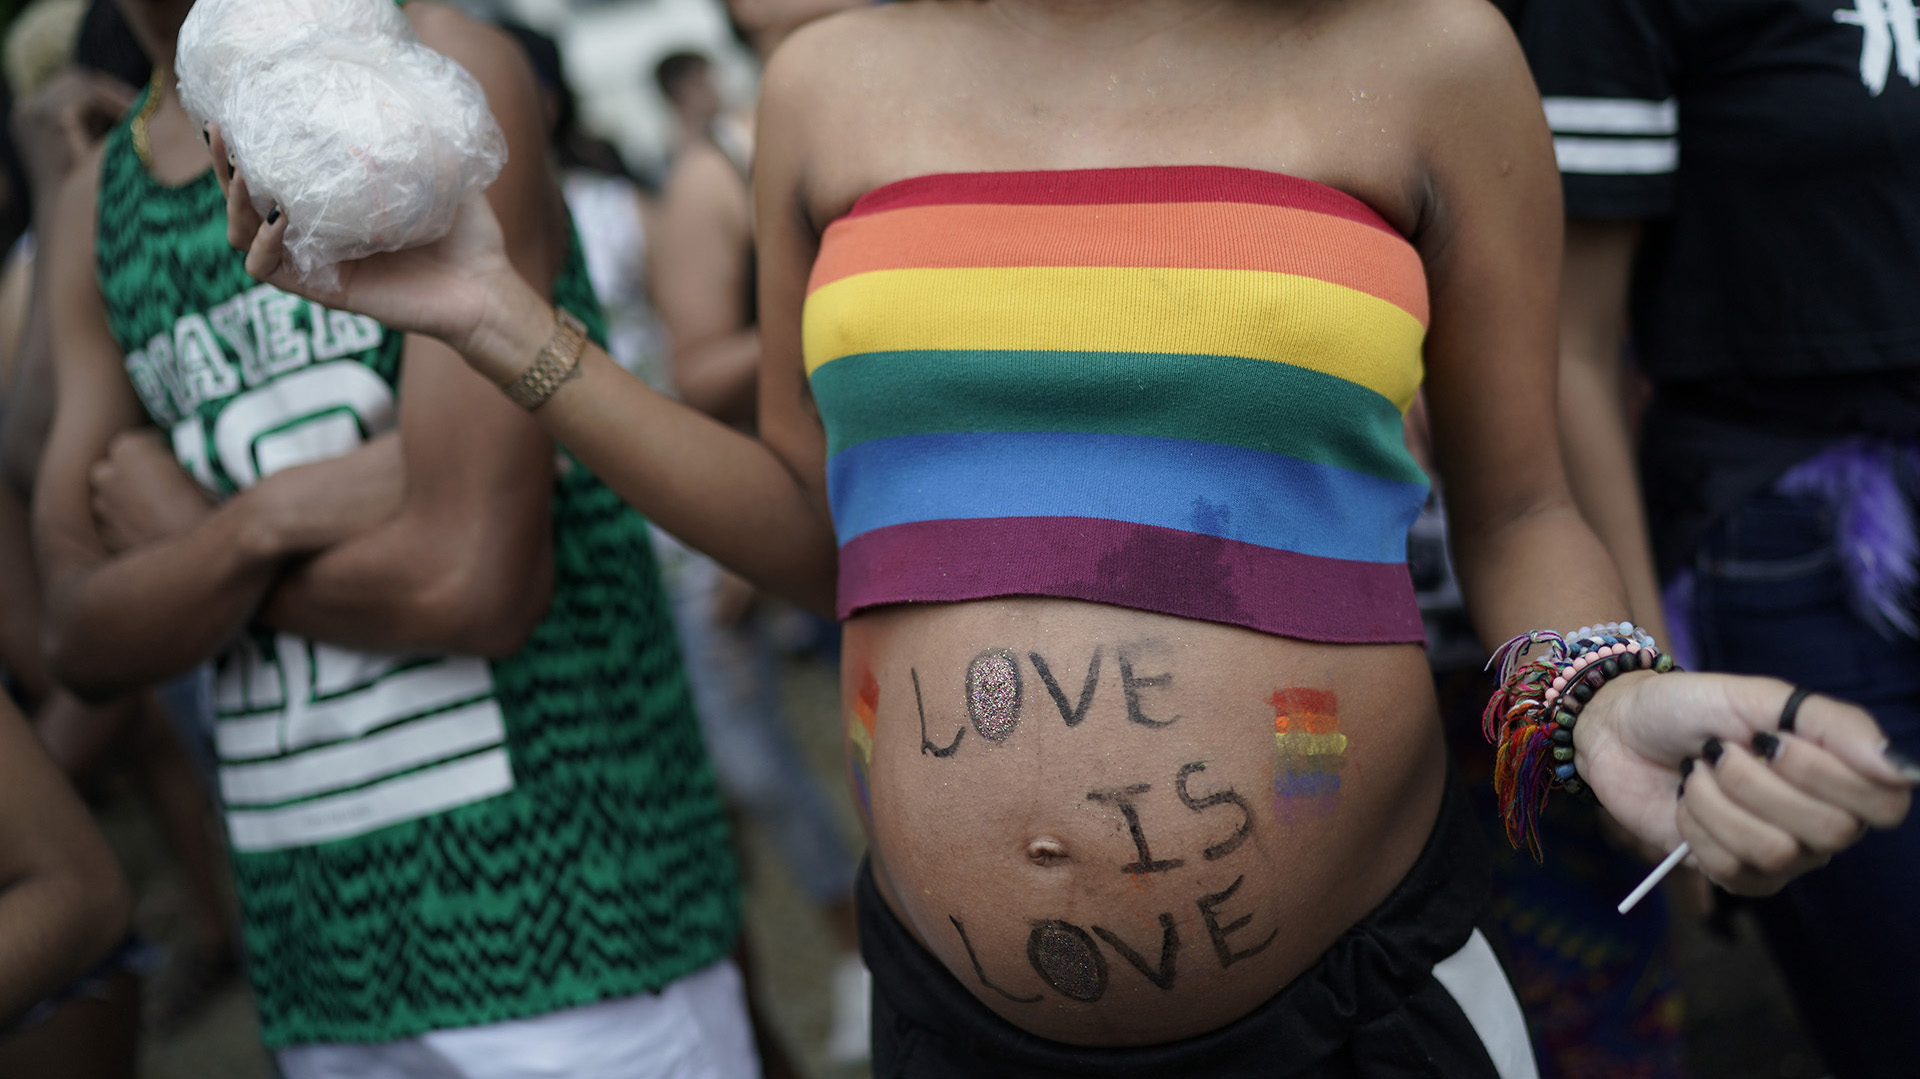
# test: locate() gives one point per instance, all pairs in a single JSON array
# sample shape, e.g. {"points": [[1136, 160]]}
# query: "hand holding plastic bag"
{"points": [[334, 111]]}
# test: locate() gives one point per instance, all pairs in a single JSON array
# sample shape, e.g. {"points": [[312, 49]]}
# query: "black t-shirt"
{"points": [[1772, 150]]}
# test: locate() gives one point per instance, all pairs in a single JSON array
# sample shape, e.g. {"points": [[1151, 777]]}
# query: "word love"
{"points": [[1065, 955], [1066, 958], [996, 696]]}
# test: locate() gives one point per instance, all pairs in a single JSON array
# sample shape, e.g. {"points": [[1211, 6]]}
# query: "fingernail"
{"points": [[206, 136], [1686, 768], [1682, 791], [273, 215], [1711, 750], [1766, 744], [1905, 765]]}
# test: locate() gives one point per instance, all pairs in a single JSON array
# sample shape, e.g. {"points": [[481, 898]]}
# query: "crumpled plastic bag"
{"points": [[335, 112]]}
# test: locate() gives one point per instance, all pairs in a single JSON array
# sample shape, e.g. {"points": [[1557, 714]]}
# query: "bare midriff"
{"points": [[1085, 813]]}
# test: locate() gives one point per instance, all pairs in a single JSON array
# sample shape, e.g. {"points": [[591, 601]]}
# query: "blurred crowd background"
{"points": [[634, 83]]}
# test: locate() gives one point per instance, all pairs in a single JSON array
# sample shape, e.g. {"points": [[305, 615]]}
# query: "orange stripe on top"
{"points": [[1183, 235]]}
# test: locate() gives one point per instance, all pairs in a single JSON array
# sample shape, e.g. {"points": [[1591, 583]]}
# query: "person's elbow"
{"points": [[104, 901], [76, 661], [482, 607], [94, 899]]}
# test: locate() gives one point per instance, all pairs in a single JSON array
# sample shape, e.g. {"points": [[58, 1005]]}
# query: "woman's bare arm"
{"points": [[1491, 240], [757, 505], [63, 901], [1491, 244], [1596, 436]]}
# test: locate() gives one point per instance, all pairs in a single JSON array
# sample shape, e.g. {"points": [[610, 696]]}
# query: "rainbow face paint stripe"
{"points": [[866, 704], [1308, 749], [1175, 389]]}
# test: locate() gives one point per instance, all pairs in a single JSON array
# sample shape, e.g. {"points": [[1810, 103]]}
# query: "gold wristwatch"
{"points": [[559, 360]]}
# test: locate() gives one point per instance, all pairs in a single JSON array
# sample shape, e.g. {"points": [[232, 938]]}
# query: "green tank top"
{"points": [[420, 842]]}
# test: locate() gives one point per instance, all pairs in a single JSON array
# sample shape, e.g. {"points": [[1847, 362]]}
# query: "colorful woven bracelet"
{"points": [[1531, 716]]}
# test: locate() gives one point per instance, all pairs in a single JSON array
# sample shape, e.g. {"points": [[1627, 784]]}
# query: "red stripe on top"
{"points": [[1150, 183]]}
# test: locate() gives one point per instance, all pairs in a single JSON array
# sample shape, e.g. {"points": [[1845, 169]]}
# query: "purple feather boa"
{"points": [[1878, 544], [1876, 534]]}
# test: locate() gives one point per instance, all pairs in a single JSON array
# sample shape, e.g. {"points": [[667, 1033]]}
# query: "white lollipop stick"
{"points": [[1659, 874]]}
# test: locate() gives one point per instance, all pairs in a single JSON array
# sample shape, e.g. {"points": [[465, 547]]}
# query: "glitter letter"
{"points": [[1067, 959], [993, 694]]}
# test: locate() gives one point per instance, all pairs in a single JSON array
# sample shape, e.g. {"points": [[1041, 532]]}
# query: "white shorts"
{"points": [[695, 1028]]}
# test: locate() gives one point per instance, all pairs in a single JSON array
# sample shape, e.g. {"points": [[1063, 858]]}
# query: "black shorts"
{"points": [[1411, 990]]}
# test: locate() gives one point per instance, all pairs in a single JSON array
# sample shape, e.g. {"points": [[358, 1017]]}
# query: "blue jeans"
{"points": [[1770, 598]]}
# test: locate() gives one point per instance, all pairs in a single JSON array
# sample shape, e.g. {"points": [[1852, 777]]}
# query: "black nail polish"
{"points": [[273, 215], [206, 136], [1711, 750], [1682, 791], [1766, 744], [1905, 765], [1686, 768]]}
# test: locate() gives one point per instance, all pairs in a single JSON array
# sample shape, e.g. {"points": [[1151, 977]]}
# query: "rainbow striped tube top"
{"points": [[1175, 389]]}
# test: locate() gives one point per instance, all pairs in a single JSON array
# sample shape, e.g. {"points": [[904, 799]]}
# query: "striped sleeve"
{"points": [[1605, 69]]}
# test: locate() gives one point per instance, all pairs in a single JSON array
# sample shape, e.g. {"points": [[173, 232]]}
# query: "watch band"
{"points": [[559, 360]]}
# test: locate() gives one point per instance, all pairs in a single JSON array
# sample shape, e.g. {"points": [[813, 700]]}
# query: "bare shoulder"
{"points": [[704, 184], [1448, 46], [481, 48], [838, 66], [843, 94], [699, 168]]}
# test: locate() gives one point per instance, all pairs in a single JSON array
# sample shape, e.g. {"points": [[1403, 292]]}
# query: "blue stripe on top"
{"points": [[1249, 496]]}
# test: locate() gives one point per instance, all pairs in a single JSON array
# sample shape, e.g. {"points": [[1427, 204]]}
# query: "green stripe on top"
{"points": [[1226, 400]]}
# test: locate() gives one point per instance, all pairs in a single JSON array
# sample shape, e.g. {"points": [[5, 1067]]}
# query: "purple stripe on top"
{"points": [[1130, 565]]}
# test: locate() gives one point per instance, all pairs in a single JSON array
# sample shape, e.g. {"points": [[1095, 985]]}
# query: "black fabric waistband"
{"points": [[922, 1011]]}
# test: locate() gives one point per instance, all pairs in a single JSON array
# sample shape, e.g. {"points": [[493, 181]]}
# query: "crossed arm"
{"points": [[462, 564]]}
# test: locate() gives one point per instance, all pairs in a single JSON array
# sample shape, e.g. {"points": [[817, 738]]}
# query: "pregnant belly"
{"points": [[1121, 828]]}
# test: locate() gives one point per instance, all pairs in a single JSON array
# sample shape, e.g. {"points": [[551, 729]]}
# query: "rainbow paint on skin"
{"points": [[866, 704], [1308, 749]]}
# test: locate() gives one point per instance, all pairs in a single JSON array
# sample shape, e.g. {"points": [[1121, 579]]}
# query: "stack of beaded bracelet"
{"points": [[1532, 713]]}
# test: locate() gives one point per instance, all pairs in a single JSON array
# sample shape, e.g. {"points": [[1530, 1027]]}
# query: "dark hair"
{"points": [[105, 44], [543, 55], [673, 71]]}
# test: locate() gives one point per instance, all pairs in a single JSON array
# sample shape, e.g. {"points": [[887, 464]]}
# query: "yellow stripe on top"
{"points": [[1255, 314]]}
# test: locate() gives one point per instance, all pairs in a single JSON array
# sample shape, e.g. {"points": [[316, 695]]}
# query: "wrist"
{"points": [[1609, 703], [513, 326], [260, 532]]}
